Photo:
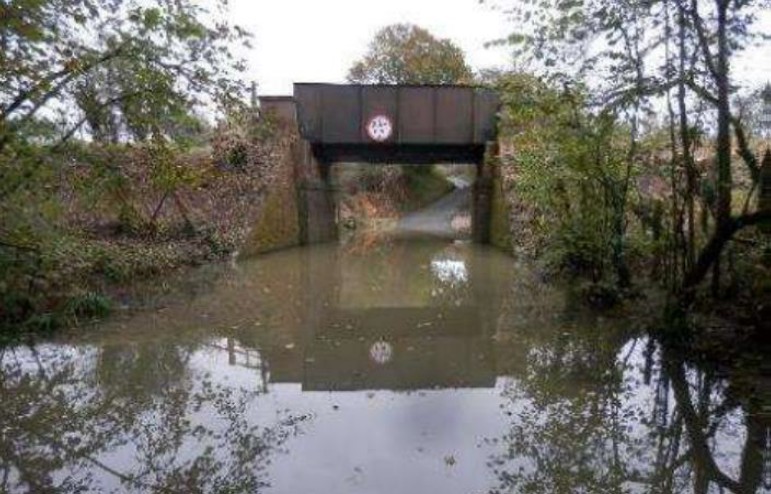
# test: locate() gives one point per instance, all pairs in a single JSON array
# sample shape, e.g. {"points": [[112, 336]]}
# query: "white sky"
{"points": [[318, 40]]}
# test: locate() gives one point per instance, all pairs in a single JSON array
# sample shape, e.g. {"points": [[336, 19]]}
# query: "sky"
{"points": [[318, 40]]}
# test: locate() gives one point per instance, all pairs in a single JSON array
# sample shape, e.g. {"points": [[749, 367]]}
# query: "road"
{"points": [[437, 219]]}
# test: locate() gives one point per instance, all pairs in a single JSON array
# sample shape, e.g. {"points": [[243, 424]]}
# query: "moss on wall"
{"points": [[500, 227], [277, 226], [500, 210]]}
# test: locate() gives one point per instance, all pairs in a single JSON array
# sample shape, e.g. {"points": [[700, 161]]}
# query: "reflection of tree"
{"points": [[144, 370], [568, 428], [704, 409], [63, 433], [590, 417]]}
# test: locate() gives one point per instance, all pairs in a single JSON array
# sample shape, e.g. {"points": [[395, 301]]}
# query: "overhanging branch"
{"points": [[711, 252]]}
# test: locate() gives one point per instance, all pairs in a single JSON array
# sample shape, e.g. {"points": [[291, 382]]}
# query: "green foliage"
{"points": [[118, 72], [109, 214], [35, 292], [500, 215], [89, 304], [139, 76], [572, 167], [145, 66], [408, 54], [674, 57], [106, 169], [167, 173]]}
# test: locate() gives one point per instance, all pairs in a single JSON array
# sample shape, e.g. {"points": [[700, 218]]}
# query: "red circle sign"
{"points": [[379, 128]]}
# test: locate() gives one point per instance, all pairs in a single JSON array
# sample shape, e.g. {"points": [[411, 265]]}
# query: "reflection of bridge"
{"points": [[429, 347], [381, 322], [439, 352], [248, 358]]}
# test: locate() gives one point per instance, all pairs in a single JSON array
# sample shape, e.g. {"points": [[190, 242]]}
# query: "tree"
{"points": [[124, 64], [626, 41], [574, 170], [121, 69], [409, 54], [113, 71]]}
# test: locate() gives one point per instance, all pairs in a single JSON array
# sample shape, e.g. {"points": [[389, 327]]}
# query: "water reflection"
{"points": [[637, 419], [381, 352], [449, 271], [404, 367], [134, 419]]}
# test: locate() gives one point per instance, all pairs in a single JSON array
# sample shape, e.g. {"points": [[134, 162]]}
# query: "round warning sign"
{"points": [[379, 128]]}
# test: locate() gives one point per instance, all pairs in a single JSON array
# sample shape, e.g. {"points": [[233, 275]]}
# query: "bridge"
{"points": [[382, 124], [396, 124]]}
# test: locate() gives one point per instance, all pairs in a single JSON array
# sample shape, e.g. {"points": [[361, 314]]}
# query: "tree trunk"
{"points": [[685, 140], [724, 181], [711, 252]]}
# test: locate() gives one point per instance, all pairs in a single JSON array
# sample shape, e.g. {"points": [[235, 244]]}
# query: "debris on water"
{"points": [[289, 346]]}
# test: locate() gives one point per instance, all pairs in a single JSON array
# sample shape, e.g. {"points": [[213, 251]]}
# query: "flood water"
{"points": [[396, 366]]}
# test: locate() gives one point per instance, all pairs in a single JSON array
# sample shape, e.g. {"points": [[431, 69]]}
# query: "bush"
{"points": [[573, 168]]}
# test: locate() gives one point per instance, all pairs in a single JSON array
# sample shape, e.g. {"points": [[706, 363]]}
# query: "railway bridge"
{"points": [[382, 124]]}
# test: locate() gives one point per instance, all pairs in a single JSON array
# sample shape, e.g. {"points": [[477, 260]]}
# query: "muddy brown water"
{"points": [[396, 366]]}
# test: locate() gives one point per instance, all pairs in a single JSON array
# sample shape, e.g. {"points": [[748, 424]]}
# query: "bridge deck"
{"points": [[395, 115]]}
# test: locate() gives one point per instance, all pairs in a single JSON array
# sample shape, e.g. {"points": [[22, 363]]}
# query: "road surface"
{"points": [[437, 219]]}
